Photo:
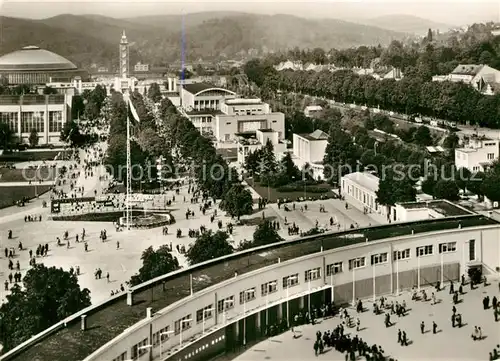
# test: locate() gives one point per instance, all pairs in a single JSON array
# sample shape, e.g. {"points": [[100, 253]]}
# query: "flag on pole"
{"points": [[133, 111]]}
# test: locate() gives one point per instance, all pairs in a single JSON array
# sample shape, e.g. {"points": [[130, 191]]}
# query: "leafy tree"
{"points": [[263, 234], [253, 162], [92, 110], [237, 201], [6, 136], [288, 168], [423, 136], [463, 176], [428, 185], [71, 134], [475, 183], [446, 189], [154, 92], [49, 295], [490, 185], [451, 141], [339, 154], [395, 186], [151, 142], [49, 90], [208, 246], [155, 264], [33, 138]]}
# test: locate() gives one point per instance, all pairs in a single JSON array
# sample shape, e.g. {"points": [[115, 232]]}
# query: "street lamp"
{"points": [[331, 283], [166, 333], [181, 324], [310, 272], [290, 278], [269, 285], [205, 311], [226, 302], [245, 293]]}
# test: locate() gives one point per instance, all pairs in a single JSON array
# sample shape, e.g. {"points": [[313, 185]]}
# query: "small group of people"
{"points": [[33, 218], [118, 291], [293, 230]]}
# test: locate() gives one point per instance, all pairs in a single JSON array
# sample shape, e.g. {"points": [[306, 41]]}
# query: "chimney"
{"points": [[149, 312], [83, 322]]}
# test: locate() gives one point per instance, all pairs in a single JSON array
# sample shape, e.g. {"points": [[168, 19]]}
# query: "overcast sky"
{"points": [[449, 12]]}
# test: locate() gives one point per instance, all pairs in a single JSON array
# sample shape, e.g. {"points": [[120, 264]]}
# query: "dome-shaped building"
{"points": [[32, 65]]}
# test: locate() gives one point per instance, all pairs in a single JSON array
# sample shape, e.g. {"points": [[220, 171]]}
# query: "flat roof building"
{"points": [[477, 154], [47, 114]]}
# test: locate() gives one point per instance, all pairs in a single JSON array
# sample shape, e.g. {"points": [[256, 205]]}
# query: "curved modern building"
{"points": [[199, 312], [32, 65]]}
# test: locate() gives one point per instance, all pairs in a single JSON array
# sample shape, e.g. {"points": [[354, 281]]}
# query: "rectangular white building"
{"points": [[47, 114], [312, 110], [310, 149], [246, 116], [477, 154], [359, 190]]}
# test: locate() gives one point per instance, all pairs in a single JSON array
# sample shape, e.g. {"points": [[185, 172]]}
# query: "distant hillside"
{"points": [[76, 46], [91, 39], [407, 24]]}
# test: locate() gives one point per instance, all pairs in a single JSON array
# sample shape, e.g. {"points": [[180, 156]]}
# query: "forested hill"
{"points": [[91, 39]]}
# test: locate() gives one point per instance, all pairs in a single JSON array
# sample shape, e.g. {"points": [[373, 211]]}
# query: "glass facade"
{"points": [[32, 120], [55, 121], [10, 118]]}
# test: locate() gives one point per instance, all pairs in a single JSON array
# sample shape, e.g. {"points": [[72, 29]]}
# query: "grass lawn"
{"points": [[25, 175], [27, 156], [8, 195], [274, 194]]}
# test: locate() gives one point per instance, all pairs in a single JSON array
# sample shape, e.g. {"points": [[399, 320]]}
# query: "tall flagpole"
{"points": [[129, 173]]}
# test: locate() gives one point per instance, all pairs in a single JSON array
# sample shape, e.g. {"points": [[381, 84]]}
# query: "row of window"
{"points": [[380, 258], [32, 120], [288, 281]]}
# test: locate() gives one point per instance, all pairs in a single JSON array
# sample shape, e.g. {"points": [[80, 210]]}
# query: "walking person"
{"points": [[422, 327], [434, 327]]}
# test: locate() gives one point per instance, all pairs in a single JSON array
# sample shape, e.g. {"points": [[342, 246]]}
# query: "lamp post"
{"points": [[269, 285], [442, 269], [145, 347], [310, 272], [166, 333], [205, 311], [418, 272], [331, 284], [245, 293], [375, 147], [181, 324], [226, 302], [290, 278]]}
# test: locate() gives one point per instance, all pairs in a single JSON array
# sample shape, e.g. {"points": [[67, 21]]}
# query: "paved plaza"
{"points": [[122, 263], [448, 344]]}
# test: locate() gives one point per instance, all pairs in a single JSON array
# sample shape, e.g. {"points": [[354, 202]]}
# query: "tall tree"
{"points": [[33, 138], [446, 189], [155, 263], [237, 201], [6, 136], [209, 246], [154, 92], [50, 294], [395, 186]]}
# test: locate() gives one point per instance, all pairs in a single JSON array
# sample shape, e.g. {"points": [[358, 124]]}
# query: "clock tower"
{"points": [[124, 57]]}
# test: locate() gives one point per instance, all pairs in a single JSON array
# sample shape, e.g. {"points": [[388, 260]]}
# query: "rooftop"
{"points": [[70, 343], [364, 179], [316, 135], [32, 58], [444, 207], [467, 69], [242, 101], [196, 88]]}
